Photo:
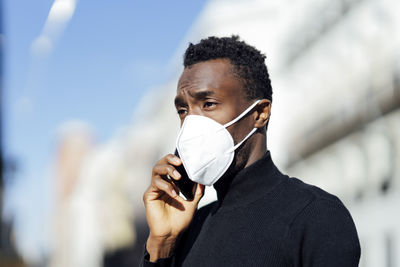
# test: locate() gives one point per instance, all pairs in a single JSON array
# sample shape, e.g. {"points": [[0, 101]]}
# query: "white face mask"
{"points": [[206, 147]]}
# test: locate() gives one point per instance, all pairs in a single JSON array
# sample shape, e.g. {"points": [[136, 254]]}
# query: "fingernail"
{"points": [[176, 174], [174, 193], [177, 160]]}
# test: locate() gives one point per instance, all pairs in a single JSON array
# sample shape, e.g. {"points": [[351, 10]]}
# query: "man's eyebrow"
{"points": [[179, 101], [202, 94]]}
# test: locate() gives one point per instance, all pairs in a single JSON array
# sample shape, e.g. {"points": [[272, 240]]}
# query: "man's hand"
{"points": [[168, 215]]}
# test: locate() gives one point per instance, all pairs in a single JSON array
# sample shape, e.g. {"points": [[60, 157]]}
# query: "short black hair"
{"points": [[249, 63]]}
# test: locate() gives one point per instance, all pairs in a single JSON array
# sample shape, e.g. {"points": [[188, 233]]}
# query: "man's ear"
{"points": [[262, 113]]}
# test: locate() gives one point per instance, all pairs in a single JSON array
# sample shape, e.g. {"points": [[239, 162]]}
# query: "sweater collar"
{"points": [[248, 184]]}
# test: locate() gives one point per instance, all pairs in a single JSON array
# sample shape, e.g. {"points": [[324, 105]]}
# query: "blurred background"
{"points": [[87, 92]]}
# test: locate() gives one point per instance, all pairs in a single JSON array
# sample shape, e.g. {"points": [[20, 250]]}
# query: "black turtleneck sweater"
{"points": [[265, 218]]}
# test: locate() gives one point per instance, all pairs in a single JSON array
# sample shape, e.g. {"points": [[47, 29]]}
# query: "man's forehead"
{"points": [[210, 75], [210, 70]]}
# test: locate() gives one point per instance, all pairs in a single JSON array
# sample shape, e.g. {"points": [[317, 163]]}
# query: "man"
{"points": [[261, 217]]}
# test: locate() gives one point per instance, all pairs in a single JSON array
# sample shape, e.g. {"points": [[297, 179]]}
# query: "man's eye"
{"points": [[181, 111], [209, 104]]}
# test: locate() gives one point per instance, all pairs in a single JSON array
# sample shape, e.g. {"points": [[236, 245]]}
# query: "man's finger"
{"points": [[164, 170], [162, 185], [170, 159]]}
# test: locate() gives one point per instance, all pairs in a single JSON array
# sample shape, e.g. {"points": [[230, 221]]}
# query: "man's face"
{"points": [[210, 89]]}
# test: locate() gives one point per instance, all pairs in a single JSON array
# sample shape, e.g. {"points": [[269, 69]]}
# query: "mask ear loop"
{"points": [[242, 114], [238, 118], [241, 142]]}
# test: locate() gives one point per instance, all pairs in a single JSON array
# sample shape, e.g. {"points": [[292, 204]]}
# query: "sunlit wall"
{"points": [[335, 69]]}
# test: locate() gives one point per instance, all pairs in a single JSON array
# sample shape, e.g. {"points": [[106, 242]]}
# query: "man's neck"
{"points": [[259, 148], [259, 144]]}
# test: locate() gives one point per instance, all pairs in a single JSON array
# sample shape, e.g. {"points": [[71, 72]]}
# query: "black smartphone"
{"points": [[185, 185]]}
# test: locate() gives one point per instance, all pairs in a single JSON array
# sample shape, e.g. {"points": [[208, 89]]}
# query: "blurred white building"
{"points": [[335, 69]]}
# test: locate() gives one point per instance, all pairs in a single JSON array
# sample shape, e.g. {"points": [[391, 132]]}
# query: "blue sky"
{"points": [[108, 55]]}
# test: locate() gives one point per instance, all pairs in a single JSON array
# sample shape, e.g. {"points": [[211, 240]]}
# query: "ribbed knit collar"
{"points": [[249, 184]]}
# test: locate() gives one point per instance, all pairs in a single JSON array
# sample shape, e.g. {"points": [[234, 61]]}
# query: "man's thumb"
{"points": [[199, 192]]}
